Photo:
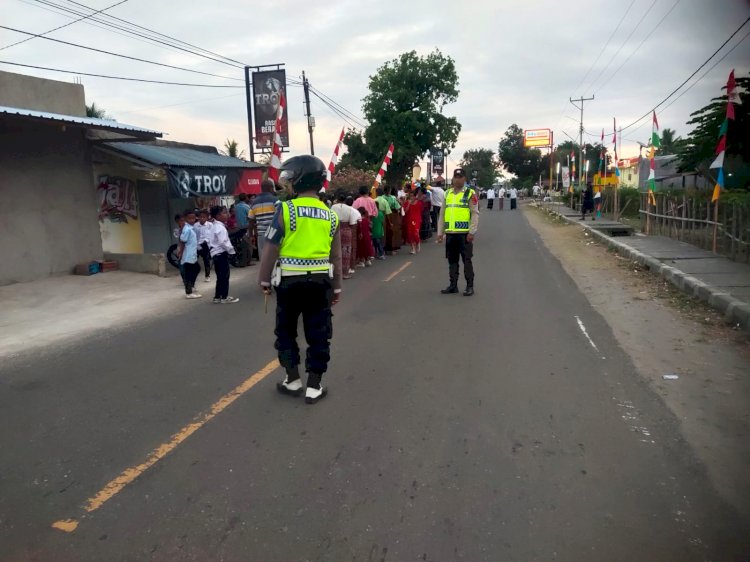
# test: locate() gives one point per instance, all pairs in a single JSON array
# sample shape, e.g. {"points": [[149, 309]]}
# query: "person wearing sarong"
{"points": [[393, 223], [348, 219]]}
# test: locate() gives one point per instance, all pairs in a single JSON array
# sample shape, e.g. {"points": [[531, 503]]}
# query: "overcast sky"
{"points": [[518, 61]]}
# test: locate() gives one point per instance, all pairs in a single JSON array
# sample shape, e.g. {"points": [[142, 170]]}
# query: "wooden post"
{"points": [[716, 225], [684, 215]]}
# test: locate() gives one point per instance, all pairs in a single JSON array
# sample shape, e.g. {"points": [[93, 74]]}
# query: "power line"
{"points": [[345, 110], [702, 76], [645, 38], [637, 25], [118, 77], [605, 46], [673, 92], [160, 34], [121, 55], [135, 33], [61, 26], [337, 111]]}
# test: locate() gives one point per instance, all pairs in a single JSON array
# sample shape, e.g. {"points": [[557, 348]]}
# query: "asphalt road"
{"points": [[483, 428]]}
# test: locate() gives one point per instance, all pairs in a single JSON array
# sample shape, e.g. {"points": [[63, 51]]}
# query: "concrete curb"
{"points": [[733, 309]]}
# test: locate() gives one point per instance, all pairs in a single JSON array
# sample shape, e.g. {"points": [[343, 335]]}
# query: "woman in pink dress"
{"points": [[413, 222]]}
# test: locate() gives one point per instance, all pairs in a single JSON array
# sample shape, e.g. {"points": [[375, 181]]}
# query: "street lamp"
{"points": [[416, 171], [557, 183]]}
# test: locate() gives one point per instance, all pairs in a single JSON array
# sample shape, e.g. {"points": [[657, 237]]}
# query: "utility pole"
{"points": [[249, 97], [310, 119], [581, 100]]}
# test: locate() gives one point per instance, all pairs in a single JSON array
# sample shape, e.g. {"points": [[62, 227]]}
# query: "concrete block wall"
{"points": [[48, 205], [42, 94]]}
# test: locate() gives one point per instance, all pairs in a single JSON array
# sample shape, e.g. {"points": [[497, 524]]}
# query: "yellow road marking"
{"points": [[399, 270], [128, 475], [67, 525]]}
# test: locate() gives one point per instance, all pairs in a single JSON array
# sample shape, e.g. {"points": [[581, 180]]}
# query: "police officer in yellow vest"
{"points": [[458, 222], [302, 261]]}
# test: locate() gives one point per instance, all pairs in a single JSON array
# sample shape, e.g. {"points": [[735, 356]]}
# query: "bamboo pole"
{"points": [[716, 226]]}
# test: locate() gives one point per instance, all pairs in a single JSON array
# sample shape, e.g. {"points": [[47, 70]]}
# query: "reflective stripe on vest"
{"points": [[458, 211], [309, 227]]}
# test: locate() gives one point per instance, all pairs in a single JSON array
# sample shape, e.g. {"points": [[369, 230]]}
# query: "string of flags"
{"points": [[334, 161], [383, 167], [655, 143], [722, 146], [275, 166]]}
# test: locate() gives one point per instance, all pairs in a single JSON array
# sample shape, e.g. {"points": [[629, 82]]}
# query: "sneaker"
{"points": [[230, 300], [368, 263], [291, 388], [347, 276], [207, 280], [380, 258], [313, 395], [352, 272], [193, 296], [361, 264], [217, 301]]}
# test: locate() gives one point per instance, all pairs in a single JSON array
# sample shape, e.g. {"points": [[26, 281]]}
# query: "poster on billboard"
{"points": [[438, 158], [566, 177], [537, 138], [267, 87]]}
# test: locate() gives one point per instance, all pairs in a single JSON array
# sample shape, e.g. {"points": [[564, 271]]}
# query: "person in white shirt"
{"points": [[490, 198], [501, 196], [437, 200], [513, 198], [203, 230], [221, 249]]}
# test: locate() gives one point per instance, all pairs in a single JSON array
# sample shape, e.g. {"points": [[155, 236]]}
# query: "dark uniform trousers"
{"points": [[309, 295], [456, 246]]}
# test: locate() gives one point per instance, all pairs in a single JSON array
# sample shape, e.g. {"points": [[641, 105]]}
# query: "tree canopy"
{"points": [[515, 157], [405, 107], [481, 160], [698, 149]]}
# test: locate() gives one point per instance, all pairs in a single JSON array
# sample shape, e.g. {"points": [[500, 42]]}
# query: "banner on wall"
{"points": [[250, 182], [117, 199], [203, 182], [565, 177], [438, 159]]}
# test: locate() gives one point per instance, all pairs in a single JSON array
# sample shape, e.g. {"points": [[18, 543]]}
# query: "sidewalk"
{"points": [[65, 308], [719, 281]]}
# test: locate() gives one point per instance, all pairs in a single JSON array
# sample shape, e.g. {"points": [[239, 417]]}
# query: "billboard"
{"points": [[566, 177], [267, 86], [536, 138], [438, 161]]}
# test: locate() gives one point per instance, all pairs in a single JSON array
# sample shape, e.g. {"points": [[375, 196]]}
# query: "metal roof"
{"points": [[87, 122], [179, 157]]}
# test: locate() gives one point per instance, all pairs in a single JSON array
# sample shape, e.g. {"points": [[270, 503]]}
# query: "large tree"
{"points": [[698, 149], [515, 157], [405, 107], [482, 161]]}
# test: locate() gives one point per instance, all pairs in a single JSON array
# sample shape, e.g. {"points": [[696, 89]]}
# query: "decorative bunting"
{"points": [[721, 148], [655, 143], [383, 167], [334, 160], [273, 170]]}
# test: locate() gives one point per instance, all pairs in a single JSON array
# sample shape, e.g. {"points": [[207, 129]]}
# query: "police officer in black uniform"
{"points": [[302, 261]]}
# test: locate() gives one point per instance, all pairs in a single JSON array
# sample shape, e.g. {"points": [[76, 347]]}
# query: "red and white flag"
{"points": [[383, 167], [273, 171], [334, 160]]}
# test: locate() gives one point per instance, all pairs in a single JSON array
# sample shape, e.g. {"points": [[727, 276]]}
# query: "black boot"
{"points": [[469, 290], [450, 290]]}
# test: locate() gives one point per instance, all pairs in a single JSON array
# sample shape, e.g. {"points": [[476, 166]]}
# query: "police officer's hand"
{"points": [[336, 298], [470, 238], [439, 239], [266, 290]]}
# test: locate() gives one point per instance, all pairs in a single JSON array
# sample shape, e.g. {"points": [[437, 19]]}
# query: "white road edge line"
{"points": [[585, 333]]}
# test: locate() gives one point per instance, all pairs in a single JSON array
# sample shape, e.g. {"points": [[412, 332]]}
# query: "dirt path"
{"points": [[666, 333]]}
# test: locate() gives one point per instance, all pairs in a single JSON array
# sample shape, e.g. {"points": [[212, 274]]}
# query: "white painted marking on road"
{"points": [[586, 333]]}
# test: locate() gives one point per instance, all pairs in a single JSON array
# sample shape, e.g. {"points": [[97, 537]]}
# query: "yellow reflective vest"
{"points": [[309, 227], [457, 211]]}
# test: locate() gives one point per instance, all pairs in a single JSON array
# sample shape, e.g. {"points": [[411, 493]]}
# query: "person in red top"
{"points": [[365, 249], [413, 221]]}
